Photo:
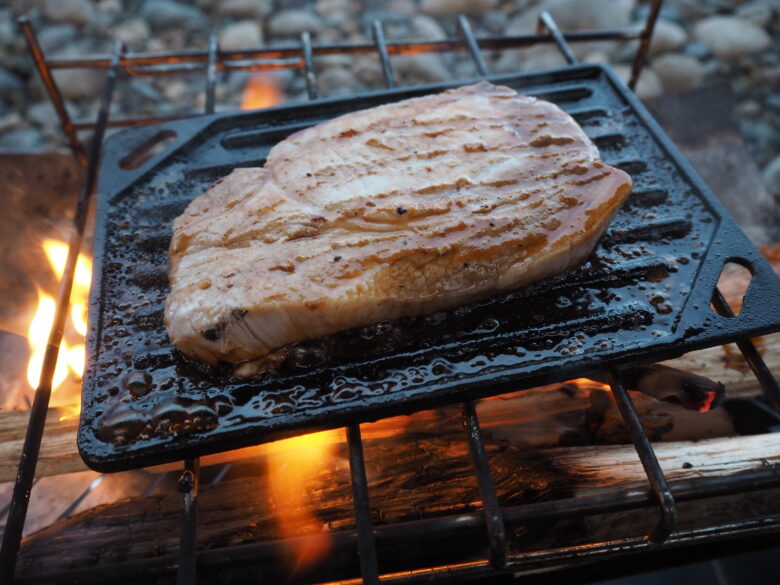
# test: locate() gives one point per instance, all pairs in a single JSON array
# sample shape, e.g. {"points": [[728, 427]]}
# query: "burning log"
{"points": [[668, 384], [413, 477]]}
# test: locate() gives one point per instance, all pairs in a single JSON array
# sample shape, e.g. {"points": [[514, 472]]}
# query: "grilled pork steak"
{"points": [[399, 210]]}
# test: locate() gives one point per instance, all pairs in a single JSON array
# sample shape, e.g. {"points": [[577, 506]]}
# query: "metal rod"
{"points": [[294, 51], [472, 44], [644, 449], [32, 441], [51, 88], [132, 122], [211, 74], [308, 60], [767, 381], [381, 47], [246, 65], [644, 44], [366, 540], [155, 483], [546, 21], [494, 518], [221, 473], [188, 536], [75, 503]]}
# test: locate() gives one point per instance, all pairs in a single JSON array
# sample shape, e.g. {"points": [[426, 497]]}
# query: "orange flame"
{"points": [[72, 351], [587, 384], [293, 466], [263, 90]]}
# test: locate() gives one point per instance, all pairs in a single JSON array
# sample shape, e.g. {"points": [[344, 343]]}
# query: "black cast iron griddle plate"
{"points": [[643, 296]]}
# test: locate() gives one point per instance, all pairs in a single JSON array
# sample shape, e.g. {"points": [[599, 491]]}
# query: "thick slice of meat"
{"points": [[399, 210]]}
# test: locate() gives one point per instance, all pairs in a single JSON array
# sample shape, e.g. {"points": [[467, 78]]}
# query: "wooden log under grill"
{"points": [[411, 477], [59, 454]]}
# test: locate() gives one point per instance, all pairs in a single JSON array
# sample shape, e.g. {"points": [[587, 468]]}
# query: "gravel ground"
{"points": [[697, 42]]}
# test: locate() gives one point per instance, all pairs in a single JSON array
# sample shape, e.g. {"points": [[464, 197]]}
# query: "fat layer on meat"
{"points": [[398, 210]]}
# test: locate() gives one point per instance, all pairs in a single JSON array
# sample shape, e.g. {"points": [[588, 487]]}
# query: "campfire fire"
{"points": [[72, 352], [293, 467], [293, 463], [263, 90]]}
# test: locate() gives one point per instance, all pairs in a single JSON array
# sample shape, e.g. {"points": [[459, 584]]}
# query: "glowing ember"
{"points": [[72, 350], [293, 467], [262, 91]]}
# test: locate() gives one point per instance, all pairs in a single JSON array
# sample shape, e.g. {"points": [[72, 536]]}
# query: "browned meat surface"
{"points": [[398, 210]]}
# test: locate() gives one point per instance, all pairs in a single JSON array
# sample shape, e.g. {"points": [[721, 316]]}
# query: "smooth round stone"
{"points": [[291, 23], [162, 14], [422, 68], [244, 8], [336, 81], [679, 72], [12, 87], [427, 28], [772, 176], [667, 36], [132, 32], [455, 7], [78, 12], [731, 37], [649, 85], [245, 34], [759, 12]]}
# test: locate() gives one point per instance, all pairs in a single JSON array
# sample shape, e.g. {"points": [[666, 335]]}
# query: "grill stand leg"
{"points": [[17, 512], [188, 486], [384, 56], [761, 371], [494, 517], [644, 449], [546, 22], [366, 540], [51, 88], [644, 43]]}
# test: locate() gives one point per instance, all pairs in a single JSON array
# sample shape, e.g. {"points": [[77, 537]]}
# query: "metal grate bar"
{"points": [[75, 503], [133, 122], [188, 486], [546, 22], [308, 61], [644, 45], [254, 65], [472, 44], [365, 530], [765, 378], [188, 61], [381, 47], [211, 74], [155, 483], [294, 51], [644, 449], [189, 480], [32, 441], [487, 489], [221, 473], [51, 88]]}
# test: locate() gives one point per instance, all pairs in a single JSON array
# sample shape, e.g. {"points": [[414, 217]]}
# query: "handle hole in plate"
{"points": [[148, 150], [734, 282]]}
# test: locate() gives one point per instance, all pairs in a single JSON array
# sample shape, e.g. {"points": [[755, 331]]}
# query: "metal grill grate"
{"points": [[496, 519], [643, 295]]}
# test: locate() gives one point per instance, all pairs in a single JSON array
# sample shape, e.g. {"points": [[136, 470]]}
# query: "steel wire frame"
{"points": [[495, 519]]}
